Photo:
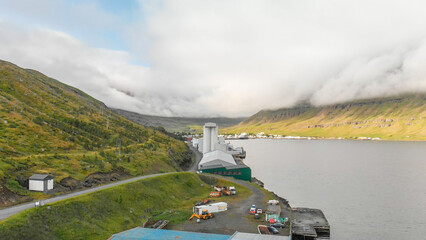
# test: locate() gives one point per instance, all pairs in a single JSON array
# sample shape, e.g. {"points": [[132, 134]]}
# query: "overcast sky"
{"points": [[220, 57]]}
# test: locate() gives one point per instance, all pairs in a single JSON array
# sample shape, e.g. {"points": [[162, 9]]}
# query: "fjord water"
{"points": [[366, 189]]}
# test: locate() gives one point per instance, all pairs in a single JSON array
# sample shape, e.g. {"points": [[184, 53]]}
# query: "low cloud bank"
{"points": [[234, 58]]}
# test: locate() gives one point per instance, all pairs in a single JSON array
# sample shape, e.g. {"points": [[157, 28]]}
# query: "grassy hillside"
{"points": [[99, 215], [394, 118], [177, 124], [49, 127]]}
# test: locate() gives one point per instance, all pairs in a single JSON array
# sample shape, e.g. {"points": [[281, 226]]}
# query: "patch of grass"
{"points": [[99, 215], [242, 192]]}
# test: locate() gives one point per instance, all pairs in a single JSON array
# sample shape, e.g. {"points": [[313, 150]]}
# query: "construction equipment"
{"points": [[204, 215], [205, 201], [226, 192]]}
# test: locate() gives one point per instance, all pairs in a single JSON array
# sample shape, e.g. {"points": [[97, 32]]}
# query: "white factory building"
{"points": [[218, 156], [211, 141], [210, 137]]}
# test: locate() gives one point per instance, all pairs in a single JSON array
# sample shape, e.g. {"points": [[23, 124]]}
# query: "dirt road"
{"points": [[236, 218]]}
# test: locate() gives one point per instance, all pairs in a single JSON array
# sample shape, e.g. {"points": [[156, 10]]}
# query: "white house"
{"points": [[41, 182]]}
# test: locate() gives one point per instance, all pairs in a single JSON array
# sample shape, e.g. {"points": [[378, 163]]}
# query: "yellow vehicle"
{"points": [[204, 215]]}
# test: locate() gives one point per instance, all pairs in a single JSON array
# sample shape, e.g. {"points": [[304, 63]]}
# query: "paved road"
{"points": [[198, 157], [7, 212]]}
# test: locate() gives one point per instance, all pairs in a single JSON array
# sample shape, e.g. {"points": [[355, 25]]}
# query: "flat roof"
{"points": [[305, 220], [309, 216], [140, 233], [254, 236], [304, 230], [41, 177]]}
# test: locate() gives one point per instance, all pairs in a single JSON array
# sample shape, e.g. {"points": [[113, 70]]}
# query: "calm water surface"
{"points": [[366, 189]]}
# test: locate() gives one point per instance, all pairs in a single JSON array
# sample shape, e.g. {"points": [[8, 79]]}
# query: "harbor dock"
{"points": [[309, 224]]}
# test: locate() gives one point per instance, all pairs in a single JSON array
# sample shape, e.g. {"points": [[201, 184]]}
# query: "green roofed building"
{"points": [[222, 163]]}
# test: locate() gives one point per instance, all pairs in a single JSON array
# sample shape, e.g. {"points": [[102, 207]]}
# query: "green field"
{"points": [[99, 215], [392, 118]]}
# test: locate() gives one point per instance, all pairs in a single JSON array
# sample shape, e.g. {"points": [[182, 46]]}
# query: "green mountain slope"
{"points": [[49, 127], [394, 118], [177, 124]]}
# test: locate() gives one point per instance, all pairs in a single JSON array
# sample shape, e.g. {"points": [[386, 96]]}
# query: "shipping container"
{"points": [[211, 208]]}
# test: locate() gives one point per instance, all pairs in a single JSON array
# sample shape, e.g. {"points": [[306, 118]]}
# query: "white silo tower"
{"points": [[210, 133]]}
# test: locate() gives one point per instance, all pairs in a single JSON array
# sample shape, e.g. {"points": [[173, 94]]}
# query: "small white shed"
{"points": [[41, 182]]}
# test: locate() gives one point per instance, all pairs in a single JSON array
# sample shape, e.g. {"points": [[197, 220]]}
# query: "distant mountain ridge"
{"points": [[395, 118], [177, 124]]}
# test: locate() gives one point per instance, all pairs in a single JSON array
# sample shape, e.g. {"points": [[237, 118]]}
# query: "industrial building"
{"points": [[222, 163], [162, 234], [210, 137], [220, 157], [40, 182]]}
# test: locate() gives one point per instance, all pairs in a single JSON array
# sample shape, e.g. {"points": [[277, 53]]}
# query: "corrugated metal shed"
{"points": [[161, 234]]}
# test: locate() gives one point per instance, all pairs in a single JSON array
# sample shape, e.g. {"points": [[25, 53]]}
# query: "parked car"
{"points": [[273, 230], [253, 209], [233, 190], [278, 225], [259, 211]]}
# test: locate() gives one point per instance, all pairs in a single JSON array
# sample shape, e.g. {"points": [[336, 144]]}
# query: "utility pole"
{"points": [[119, 150]]}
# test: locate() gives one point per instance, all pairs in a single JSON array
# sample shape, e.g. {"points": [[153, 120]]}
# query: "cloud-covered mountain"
{"points": [[225, 58]]}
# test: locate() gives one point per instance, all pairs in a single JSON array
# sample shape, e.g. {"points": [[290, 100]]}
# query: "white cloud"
{"points": [[234, 58], [104, 74], [249, 55], [399, 71]]}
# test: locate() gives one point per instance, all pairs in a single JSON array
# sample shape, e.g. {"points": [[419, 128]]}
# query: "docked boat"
{"points": [[243, 136]]}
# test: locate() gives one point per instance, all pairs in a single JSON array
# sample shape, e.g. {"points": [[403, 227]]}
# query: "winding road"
{"points": [[7, 212]]}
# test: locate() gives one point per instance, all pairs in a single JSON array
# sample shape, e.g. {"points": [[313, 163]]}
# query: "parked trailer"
{"points": [[263, 229], [215, 194], [211, 208]]}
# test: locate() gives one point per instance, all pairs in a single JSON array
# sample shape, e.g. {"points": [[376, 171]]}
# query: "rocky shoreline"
{"points": [[305, 223]]}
